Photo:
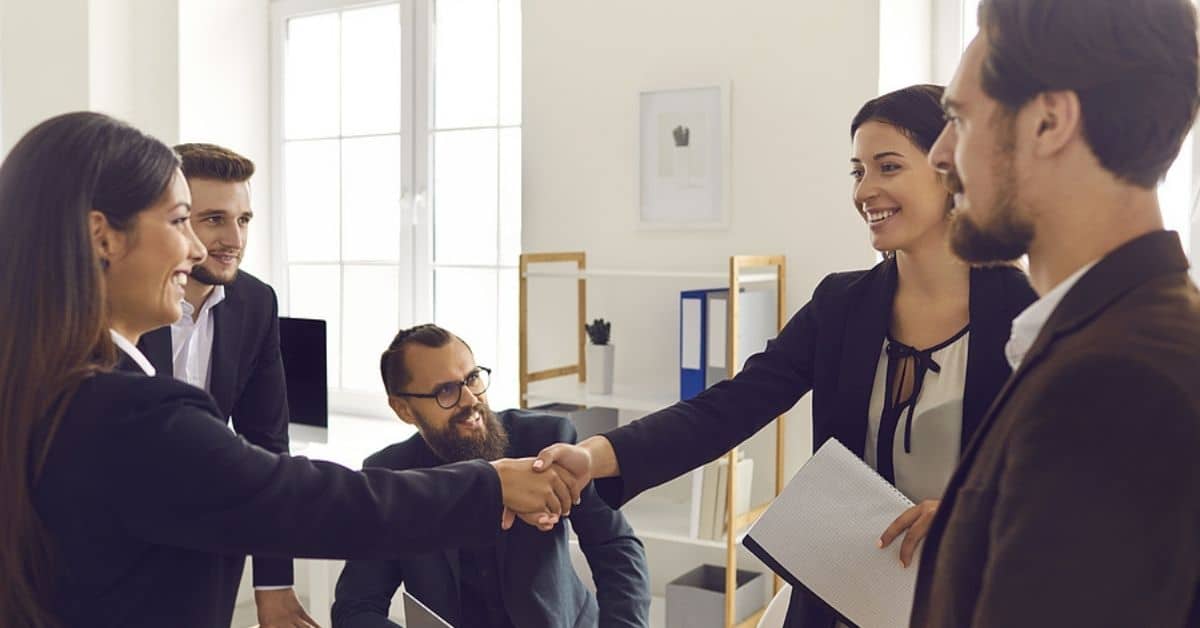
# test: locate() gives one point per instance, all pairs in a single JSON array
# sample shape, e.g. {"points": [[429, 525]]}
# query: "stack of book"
{"points": [[710, 490]]}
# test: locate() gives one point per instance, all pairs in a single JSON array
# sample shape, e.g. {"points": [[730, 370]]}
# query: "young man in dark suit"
{"points": [[227, 341], [1078, 502], [524, 581]]}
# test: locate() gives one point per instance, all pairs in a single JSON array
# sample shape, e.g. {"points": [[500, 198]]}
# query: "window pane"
{"points": [[505, 391], [1175, 194], [310, 99], [465, 197], [510, 196], [371, 70], [315, 292], [510, 61], [371, 198], [372, 310], [465, 304], [311, 197], [465, 72]]}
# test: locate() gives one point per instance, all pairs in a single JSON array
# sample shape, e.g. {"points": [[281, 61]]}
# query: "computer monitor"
{"points": [[302, 341]]}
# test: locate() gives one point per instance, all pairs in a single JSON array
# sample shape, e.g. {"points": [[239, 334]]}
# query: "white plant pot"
{"points": [[600, 369]]}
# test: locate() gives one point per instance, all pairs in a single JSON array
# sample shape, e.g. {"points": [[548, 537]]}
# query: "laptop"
{"points": [[417, 615]]}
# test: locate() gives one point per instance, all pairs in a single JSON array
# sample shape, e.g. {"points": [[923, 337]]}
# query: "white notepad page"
{"points": [[824, 528]]}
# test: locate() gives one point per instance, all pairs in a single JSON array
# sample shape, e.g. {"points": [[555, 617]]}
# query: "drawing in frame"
{"points": [[683, 157]]}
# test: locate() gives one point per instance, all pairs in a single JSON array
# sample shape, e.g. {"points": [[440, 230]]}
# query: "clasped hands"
{"points": [[542, 490]]}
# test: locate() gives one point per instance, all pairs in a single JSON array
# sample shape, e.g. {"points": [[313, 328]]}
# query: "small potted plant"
{"points": [[599, 358]]}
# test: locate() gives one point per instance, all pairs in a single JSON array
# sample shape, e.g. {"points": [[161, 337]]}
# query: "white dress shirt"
{"points": [[1028, 324], [133, 352], [192, 340]]}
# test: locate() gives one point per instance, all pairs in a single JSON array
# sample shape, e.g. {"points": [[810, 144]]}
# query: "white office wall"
{"points": [[224, 97], [44, 51], [798, 70]]}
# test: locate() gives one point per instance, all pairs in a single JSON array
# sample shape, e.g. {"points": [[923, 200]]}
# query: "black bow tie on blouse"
{"points": [[922, 361]]}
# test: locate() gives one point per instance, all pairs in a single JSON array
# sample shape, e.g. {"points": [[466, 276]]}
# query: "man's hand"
{"points": [[280, 608], [575, 458], [916, 520], [544, 496]]}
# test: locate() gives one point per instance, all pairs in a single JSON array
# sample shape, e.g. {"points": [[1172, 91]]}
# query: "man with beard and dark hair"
{"points": [[227, 343], [1078, 501], [526, 579]]}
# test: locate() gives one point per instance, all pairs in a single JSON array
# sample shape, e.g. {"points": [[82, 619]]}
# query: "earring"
{"points": [[103, 263]]}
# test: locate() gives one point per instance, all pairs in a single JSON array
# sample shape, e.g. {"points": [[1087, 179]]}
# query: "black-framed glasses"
{"points": [[449, 394]]}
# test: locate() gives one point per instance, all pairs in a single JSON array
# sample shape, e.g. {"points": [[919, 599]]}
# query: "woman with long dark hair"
{"points": [[122, 495], [902, 360]]}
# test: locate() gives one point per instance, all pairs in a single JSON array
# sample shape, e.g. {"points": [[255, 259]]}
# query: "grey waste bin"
{"points": [[697, 598]]}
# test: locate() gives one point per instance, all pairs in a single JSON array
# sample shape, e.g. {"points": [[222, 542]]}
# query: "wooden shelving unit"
{"points": [[736, 277]]}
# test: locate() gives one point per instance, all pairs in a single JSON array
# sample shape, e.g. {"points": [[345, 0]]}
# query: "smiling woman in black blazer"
{"points": [[902, 360], [124, 499]]}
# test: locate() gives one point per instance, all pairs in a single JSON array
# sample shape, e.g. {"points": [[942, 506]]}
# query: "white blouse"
{"points": [[926, 435]]}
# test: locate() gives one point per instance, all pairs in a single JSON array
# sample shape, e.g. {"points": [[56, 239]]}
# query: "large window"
{"points": [[398, 149]]}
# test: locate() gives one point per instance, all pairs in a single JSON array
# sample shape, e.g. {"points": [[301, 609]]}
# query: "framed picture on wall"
{"points": [[683, 160]]}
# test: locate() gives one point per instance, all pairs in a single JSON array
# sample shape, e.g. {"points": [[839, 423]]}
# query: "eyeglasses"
{"points": [[449, 394]]}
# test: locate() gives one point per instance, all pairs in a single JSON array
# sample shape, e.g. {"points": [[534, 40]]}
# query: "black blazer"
{"points": [[540, 587], [144, 494], [830, 347], [246, 379]]}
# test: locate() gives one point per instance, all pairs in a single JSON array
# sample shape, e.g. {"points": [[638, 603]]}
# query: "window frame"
{"points": [[415, 260]]}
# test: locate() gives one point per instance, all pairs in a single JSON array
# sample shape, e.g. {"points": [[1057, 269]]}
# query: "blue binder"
{"points": [[693, 340]]}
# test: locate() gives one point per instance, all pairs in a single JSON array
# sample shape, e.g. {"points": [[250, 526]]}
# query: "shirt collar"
{"points": [[214, 297], [133, 352], [1028, 324]]}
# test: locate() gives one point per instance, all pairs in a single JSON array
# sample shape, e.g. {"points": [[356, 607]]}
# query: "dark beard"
{"points": [[201, 274], [449, 446], [1008, 237]]}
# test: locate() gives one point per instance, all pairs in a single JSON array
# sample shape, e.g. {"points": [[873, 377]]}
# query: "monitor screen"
{"points": [[302, 343]]}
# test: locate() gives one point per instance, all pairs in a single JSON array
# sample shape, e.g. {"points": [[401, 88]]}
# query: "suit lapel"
{"points": [[156, 346], [989, 331], [224, 364], [869, 312]]}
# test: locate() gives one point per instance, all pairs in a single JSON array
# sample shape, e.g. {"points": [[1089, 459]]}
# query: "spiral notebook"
{"points": [[821, 533]]}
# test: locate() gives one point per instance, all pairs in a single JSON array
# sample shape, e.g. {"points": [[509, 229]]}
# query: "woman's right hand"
{"points": [[531, 494]]}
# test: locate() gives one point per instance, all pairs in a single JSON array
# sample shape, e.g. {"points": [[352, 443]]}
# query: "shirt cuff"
{"points": [[281, 587]]}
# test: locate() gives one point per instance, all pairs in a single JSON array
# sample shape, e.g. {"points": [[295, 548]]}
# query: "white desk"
{"points": [[350, 440]]}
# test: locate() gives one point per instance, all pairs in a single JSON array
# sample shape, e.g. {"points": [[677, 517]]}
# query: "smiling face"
{"points": [[896, 192], [978, 154], [221, 218], [149, 262], [466, 431]]}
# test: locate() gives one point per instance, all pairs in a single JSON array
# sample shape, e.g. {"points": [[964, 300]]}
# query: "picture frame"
{"points": [[683, 157]]}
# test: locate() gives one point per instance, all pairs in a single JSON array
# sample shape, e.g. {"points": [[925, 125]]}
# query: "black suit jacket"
{"points": [[1078, 502], [246, 379], [539, 585], [830, 347], [145, 492]]}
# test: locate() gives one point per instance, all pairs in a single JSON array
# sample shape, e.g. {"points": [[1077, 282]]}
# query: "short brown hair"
{"points": [[1133, 64], [209, 161], [391, 364]]}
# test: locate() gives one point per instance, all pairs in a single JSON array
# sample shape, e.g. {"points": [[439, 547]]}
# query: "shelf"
{"points": [[666, 520], [578, 395], [723, 277]]}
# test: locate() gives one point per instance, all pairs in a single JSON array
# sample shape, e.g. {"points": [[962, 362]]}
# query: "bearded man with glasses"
{"points": [[526, 578]]}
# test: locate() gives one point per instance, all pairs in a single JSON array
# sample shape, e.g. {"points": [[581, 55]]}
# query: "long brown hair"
{"points": [[53, 312]]}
